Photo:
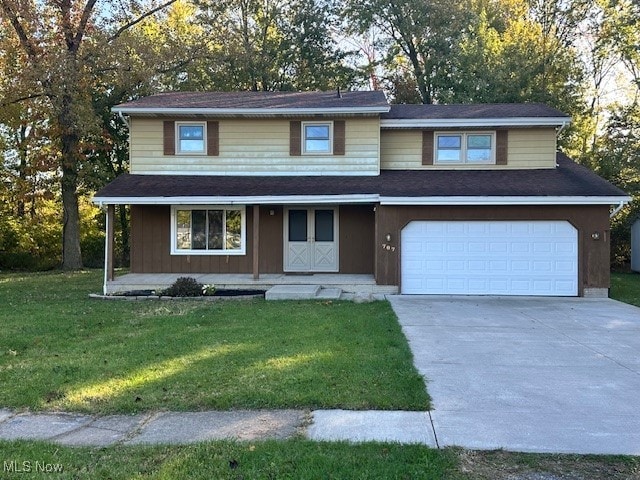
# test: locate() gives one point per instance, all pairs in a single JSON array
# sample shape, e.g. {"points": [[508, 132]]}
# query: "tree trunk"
{"points": [[71, 254], [69, 136]]}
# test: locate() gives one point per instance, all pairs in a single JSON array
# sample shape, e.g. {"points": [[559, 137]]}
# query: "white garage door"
{"points": [[490, 258]]}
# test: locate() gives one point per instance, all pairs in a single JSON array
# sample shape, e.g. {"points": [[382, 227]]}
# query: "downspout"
{"points": [[617, 209], [106, 252], [124, 119]]}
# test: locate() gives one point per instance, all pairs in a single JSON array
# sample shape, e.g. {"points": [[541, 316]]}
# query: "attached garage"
{"points": [[489, 258]]}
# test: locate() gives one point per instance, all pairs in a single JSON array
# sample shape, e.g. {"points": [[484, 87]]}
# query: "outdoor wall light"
{"points": [[272, 212], [595, 235], [387, 237]]}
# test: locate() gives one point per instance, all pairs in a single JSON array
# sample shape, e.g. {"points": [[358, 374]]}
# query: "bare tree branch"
{"points": [[21, 99], [130, 24], [86, 15]]}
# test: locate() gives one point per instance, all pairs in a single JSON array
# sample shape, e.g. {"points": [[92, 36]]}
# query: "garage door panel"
{"points": [[492, 257]]}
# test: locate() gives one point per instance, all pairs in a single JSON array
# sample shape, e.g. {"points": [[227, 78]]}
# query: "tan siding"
{"points": [[527, 148], [260, 146]]}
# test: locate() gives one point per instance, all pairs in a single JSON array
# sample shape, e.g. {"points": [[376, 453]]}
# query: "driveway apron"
{"points": [[534, 374]]}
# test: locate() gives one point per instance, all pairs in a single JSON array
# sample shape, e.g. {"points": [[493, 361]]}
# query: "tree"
{"points": [[426, 33], [58, 39]]}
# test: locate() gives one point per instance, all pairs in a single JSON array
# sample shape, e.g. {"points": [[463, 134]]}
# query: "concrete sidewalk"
{"points": [[189, 427]]}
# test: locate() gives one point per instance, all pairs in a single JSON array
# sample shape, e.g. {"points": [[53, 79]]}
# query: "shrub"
{"points": [[184, 287]]}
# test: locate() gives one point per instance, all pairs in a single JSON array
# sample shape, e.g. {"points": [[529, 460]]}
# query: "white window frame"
{"points": [[243, 230], [204, 137], [304, 138], [463, 149]]}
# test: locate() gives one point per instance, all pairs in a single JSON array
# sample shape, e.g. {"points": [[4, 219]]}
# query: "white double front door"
{"points": [[311, 239]]}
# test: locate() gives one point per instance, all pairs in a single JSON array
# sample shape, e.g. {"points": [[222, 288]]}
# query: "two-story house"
{"points": [[431, 199]]}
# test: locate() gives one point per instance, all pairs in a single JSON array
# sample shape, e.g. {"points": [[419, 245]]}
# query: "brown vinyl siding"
{"points": [[357, 225], [151, 243], [593, 256]]}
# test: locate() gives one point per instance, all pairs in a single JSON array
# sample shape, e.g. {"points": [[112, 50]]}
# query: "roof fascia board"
{"points": [[361, 198], [476, 122], [248, 200], [505, 200], [249, 111]]}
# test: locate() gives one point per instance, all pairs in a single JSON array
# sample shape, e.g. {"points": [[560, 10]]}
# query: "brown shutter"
{"points": [[338, 137], [295, 140], [213, 139], [169, 137], [502, 137], [427, 147]]}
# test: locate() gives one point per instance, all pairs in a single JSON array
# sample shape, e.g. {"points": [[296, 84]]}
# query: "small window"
{"points": [[191, 138], [472, 148], [316, 138], [208, 231]]}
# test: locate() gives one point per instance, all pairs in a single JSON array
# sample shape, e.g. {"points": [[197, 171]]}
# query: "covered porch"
{"points": [[348, 283]]}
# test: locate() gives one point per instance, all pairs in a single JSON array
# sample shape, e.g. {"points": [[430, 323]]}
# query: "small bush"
{"points": [[184, 287]]}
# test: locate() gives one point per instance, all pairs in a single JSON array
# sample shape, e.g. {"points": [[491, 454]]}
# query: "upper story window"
{"points": [[316, 137], [191, 138], [208, 231], [467, 147]]}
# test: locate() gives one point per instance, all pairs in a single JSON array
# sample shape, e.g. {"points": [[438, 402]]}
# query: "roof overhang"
{"points": [[241, 200], [505, 200], [360, 198], [436, 123], [249, 112]]}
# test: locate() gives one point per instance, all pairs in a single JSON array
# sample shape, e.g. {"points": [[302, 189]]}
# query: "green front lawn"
{"points": [[303, 459], [626, 287], [61, 350]]}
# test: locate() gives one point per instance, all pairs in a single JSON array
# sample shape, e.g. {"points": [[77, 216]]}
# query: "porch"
{"points": [[348, 283]]}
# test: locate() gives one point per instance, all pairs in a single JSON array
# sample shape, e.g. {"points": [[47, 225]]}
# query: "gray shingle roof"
{"points": [[568, 179], [491, 110], [259, 100]]}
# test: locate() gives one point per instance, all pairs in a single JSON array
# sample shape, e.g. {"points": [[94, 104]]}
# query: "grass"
{"points": [[626, 287], [302, 459], [60, 350]]}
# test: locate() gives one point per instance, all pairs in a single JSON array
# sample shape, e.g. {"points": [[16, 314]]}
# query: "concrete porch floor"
{"points": [[349, 283]]}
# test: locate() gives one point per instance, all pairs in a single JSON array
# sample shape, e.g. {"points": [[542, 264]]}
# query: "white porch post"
{"points": [[108, 247], [256, 242]]}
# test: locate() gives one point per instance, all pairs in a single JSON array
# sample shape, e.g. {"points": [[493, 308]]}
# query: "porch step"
{"points": [[292, 292], [302, 292], [329, 294]]}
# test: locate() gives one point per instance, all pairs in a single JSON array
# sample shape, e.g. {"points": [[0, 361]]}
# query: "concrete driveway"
{"points": [[528, 374]]}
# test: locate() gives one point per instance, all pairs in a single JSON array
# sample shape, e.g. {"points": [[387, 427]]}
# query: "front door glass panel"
{"points": [[297, 225], [324, 226]]}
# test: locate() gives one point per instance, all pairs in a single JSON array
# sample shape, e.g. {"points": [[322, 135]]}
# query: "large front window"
{"points": [[470, 148], [208, 230]]}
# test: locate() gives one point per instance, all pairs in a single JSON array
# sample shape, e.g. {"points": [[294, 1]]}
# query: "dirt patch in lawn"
{"points": [[501, 465]]}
